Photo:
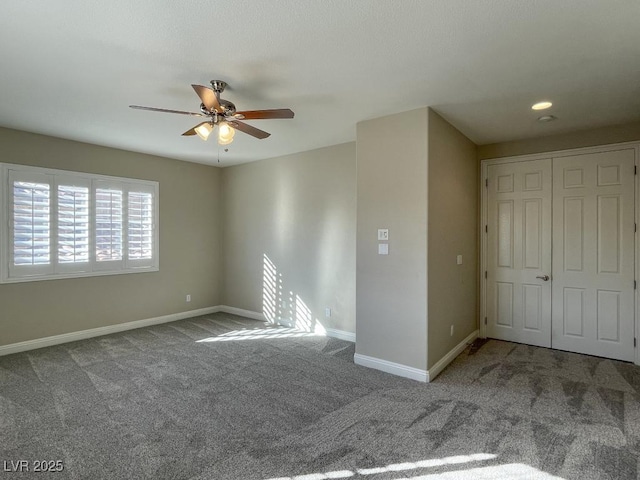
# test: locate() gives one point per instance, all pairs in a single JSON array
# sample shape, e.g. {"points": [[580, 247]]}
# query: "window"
{"points": [[66, 224]]}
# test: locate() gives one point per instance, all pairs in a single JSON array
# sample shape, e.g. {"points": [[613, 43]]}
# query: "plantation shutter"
{"points": [[140, 227], [74, 228], [30, 223], [109, 225], [62, 224]]}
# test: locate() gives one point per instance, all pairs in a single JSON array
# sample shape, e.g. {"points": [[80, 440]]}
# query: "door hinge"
{"points": [[486, 182], [635, 227], [634, 342], [486, 229], [485, 274], [485, 320]]}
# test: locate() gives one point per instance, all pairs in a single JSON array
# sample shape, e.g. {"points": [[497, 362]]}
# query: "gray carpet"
{"points": [[222, 397]]}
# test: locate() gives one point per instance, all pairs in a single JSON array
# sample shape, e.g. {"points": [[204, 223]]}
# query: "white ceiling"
{"points": [[70, 68]]}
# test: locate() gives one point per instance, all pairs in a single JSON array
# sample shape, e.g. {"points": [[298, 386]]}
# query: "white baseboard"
{"points": [[243, 313], [121, 327], [97, 332], [411, 372], [341, 334], [441, 364], [391, 367]]}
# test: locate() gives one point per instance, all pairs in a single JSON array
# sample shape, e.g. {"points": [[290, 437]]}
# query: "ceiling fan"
{"points": [[223, 114]]}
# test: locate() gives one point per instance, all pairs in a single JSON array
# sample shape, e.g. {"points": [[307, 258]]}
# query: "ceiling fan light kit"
{"points": [[225, 134], [223, 114], [204, 130]]}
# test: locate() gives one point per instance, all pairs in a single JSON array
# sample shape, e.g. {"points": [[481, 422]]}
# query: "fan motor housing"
{"points": [[228, 108]]}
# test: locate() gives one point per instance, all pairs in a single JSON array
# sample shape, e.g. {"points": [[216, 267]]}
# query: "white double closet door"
{"points": [[560, 253]]}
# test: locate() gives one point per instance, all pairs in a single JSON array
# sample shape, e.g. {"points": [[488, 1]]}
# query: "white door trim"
{"points": [[637, 250], [484, 207], [484, 165]]}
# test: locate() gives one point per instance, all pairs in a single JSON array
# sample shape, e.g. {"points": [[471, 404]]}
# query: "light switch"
{"points": [[383, 234], [459, 259], [383, 249]]}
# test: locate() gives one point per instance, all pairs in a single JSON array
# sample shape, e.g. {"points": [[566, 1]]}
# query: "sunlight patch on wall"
{"points": [[269, 289], [285, 309]]}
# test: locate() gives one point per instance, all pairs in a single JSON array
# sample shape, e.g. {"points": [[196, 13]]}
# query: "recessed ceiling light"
{"points": [[541, 105], [546, 118]]}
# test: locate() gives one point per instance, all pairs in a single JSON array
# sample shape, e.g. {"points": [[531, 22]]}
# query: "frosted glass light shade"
{"points": [[225, 134], [204, 130]]}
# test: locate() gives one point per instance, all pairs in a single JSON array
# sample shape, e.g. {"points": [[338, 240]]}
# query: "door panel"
{"points": [[593, 254], [532, 209], [519, 250], [532, 297]]}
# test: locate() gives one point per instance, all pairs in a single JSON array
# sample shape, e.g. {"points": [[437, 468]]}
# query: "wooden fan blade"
{"points": [[164, 110], [192, 131], [208, 97], [253, 131], [265, 114]]}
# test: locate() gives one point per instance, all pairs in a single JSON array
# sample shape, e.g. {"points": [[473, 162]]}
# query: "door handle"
{"points": [[543, 277]]}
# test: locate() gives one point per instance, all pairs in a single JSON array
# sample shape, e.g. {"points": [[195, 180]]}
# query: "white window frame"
{"points": [[10, 273]]}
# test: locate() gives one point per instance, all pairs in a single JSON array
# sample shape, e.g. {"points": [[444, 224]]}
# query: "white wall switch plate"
{"points": [[327, 312], [188, 298], [383, 234], [383, 249], [459, 259]]}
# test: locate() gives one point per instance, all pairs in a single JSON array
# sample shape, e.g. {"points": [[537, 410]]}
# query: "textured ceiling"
{"points": [[70, 68]]}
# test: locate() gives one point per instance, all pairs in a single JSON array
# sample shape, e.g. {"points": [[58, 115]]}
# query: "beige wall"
{"points": [[391, 295], [299, 211], [190, 239], [583, 138], [453, 224]]}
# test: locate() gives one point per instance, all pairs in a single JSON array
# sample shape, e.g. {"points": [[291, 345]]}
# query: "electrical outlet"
{"points": [[327, 312], [452, 330], [188, 298]]}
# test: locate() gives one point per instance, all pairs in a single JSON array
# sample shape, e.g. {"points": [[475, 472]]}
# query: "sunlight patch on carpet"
{"points": [[261, 334], [406, 466]]}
